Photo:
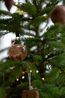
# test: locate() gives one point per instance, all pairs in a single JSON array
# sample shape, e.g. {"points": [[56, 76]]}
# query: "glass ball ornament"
{"points": [[58, 14], [17, 52]]}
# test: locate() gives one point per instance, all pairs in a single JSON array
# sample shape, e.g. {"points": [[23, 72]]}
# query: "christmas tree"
{"points": [[36, 58]]}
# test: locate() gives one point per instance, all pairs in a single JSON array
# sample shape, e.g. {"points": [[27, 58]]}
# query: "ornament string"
{"points": [[29, 79]]}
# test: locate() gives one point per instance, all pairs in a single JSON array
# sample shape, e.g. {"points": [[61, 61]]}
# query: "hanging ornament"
{"points": [[17, 52], [8, 4], [30, 93], [58, 14]]}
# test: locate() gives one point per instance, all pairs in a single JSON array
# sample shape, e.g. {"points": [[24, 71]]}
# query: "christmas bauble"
{"points": [[17, 52], [58, 14], [30, 94], [8, 4]]}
